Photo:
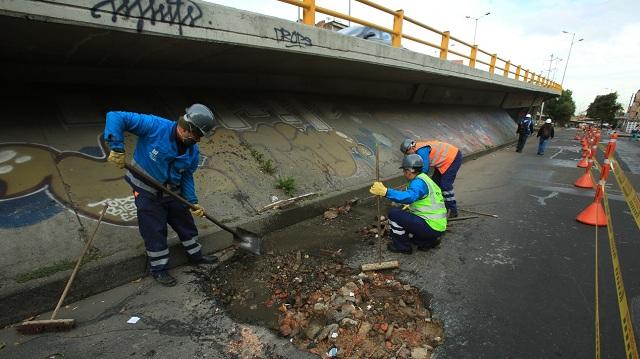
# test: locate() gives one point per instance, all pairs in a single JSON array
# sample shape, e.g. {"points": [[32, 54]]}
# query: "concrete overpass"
{"points": [[313, 102]]}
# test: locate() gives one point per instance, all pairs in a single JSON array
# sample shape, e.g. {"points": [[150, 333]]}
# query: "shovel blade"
{"points": [[248, 241]]}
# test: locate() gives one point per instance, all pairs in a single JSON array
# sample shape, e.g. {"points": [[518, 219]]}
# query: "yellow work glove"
{"points": [[117, 158], [197, 210], [378, 189]]}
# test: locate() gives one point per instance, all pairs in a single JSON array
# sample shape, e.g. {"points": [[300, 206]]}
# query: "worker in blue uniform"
{"points": [[423, 220], [168, 152]]}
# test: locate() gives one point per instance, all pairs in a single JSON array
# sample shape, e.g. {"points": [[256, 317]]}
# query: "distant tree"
{"points": [[560, 109], [604, 108]]}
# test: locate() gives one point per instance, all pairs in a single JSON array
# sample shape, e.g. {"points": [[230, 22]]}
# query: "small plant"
{"points": [[257, 155], [287, 184], [267, 167]]}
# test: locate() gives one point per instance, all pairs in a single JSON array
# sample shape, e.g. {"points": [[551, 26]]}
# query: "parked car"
{"points": [[367, 33]]}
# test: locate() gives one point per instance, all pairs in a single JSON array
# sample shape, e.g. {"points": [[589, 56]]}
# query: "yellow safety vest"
{"points": [[431, 207]]}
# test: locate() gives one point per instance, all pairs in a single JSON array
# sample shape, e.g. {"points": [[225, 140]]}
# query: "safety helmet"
{"points": [[528, 115], [548, 121], [200, 117], [406, 144], [412, 161]]}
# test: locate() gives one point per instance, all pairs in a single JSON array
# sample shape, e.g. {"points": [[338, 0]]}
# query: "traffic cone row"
{"points": [[585, 153], [594, 213]]}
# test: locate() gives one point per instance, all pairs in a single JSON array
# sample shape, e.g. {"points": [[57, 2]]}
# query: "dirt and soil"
{"points": [[322, 305]]}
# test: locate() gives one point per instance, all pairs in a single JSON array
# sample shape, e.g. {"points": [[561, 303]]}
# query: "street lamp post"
{"points": [[573, 36], [476, 27]]}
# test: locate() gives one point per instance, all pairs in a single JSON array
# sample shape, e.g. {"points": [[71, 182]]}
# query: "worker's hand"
{"points": [[378, 189], [197, 210], [117, 158], [406, 207]]}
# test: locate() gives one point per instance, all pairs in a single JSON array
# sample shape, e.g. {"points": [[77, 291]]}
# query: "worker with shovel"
{"points": [[426, 219], [168, 153]]}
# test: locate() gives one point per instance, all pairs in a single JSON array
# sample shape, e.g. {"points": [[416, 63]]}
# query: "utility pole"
{"points": [[548, 76], [573, 36], [475, 30]]}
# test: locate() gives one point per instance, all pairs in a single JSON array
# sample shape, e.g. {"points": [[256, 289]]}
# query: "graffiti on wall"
{"points": [[39, 181], [292, 38], [174, 12]]}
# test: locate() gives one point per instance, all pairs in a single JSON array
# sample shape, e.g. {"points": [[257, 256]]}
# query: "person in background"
{"points": [[545, 133], [525, 129]]}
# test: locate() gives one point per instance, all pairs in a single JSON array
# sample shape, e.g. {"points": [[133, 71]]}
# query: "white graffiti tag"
{"points": [[124, 208]]}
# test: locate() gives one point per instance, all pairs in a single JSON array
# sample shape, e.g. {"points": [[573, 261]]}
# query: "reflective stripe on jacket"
{"points": [[431, 207], [441, 155]]}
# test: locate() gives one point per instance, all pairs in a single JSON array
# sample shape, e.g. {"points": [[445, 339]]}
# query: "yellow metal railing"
{"points": [[474, 56]]}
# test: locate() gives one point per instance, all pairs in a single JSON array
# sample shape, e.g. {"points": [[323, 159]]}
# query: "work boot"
{"points": [[164, 278], [203, 260], [452, 214], [393, 249]]}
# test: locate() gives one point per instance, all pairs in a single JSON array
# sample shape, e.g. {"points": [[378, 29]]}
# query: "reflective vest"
{"points": [[441, 155], [431, 207]]}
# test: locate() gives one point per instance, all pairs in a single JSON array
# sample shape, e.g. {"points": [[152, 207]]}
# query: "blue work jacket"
{"points": [[424, 153], [156, 150], [416, 190]]}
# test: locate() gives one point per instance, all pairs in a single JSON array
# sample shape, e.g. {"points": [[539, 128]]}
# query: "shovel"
{"points": [[246, 240]]}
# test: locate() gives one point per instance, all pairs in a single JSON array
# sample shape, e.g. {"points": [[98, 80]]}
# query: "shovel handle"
{"points": [[157, 185]]}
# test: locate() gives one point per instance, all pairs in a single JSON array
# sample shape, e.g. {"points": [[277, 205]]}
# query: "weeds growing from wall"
{"points": [[287, 184], [266, 165]]}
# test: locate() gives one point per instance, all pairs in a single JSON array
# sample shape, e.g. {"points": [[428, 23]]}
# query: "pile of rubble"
{"points": [[332, 310]]}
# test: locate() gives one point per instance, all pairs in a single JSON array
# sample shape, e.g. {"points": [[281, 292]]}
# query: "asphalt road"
{"points": [[517, 286]]}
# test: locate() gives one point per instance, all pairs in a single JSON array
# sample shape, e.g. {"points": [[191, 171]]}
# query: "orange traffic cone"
{"points": [[594, 213], [585, 181], [585, 153]]}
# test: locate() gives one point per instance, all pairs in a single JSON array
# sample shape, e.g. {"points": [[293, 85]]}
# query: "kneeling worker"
{"points": [[426, 218]]}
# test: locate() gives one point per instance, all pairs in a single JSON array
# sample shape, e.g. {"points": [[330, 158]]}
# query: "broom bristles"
{"points": [[49, 325]]}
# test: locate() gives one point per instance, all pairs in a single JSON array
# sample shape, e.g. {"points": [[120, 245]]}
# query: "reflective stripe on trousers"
{"points": [[154, 213]]}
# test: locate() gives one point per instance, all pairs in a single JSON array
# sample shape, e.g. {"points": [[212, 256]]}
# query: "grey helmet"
{"points": [[200, 117], [406, 144], [412, 161]]}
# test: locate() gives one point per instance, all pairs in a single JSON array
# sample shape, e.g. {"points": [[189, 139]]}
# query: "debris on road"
{"points": [[327, 308], [334, 212]]}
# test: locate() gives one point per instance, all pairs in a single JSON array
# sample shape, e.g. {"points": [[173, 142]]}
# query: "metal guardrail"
{"points": [[309, 9]]}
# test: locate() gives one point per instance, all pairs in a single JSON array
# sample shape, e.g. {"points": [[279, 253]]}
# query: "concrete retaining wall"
{"points": [[54, 178]]}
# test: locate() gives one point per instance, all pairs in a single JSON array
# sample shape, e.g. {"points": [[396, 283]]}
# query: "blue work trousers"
{"points": [[404, 223], [445, 182], [155, 211], [542, 145]]}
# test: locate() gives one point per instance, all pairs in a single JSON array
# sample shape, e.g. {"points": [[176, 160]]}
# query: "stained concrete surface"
{"points": [[519, 286]]}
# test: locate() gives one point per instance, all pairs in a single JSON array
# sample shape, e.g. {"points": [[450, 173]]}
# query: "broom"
{"points": [[380, 265], [53, 324]]}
